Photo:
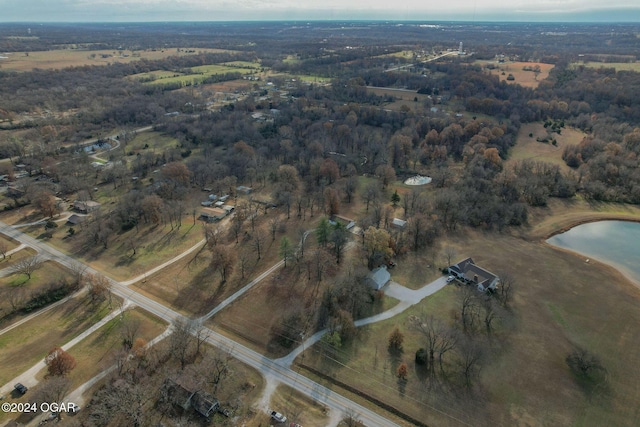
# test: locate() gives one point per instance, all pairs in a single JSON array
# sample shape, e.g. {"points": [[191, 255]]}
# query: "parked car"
{"points": [[278, 417], [450, 279], [20, 388]]}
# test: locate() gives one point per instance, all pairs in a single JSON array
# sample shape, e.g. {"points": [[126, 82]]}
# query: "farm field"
{"points": [[62, 58], [201, 73], [523, 78], [619, 66], [551, 315], [527, 147]]}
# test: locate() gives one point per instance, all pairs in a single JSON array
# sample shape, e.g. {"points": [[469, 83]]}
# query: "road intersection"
{"points": [[278, 370]]}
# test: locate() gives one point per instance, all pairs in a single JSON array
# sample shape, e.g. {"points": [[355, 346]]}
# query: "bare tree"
{"points": [[505, 289], [218, 367], [4, 248], [78, 271], [440, 340], [274, 224], [181, 341], [352, 419], [129, 328], [468, 307], [200, 333], [223, 259], [245, 258], [99, 288], [450, 253], [211, 235], [490, 314], [258, 243], [371, 194], [52, 389], [27, 265], [16, 297], [469, 357]]}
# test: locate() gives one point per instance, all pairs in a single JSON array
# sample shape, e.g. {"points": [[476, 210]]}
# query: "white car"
{"points": [[278, 417], [450, 279]]}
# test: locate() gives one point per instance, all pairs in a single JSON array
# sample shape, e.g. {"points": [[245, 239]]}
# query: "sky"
{"points": [[251, 10]]}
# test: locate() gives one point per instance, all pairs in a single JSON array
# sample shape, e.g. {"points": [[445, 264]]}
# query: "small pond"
{"points": [[616, 243]]}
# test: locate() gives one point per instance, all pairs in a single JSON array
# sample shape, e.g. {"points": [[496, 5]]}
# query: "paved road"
{"points": [[333, 400]]}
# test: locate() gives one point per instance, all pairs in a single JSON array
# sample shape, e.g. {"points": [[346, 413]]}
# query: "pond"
{"points": [[616, 243]]}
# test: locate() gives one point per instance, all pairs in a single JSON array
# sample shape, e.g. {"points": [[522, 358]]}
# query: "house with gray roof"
{"points": [[378, 277], [471, 273]]}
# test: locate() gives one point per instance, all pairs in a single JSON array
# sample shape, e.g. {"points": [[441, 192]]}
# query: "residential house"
{"points": [[467, 271]]}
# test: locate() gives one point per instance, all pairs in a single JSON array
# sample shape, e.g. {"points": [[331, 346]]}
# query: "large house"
{"points": [[467, 271]]}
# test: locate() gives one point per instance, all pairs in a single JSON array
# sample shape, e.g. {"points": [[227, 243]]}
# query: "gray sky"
{"points": [[223, 10]]}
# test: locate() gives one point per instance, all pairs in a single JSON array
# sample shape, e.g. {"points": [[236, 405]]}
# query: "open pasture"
{"points": [[522, 77], [63, 58], [619, 66]]}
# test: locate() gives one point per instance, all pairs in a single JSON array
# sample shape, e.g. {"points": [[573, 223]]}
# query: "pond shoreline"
{"points": [[592, 259]]}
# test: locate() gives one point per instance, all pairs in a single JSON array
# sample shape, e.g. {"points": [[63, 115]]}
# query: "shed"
{"points": [[86, 206], [212, 214], [378, 277], [398, 223], [75, 219]]}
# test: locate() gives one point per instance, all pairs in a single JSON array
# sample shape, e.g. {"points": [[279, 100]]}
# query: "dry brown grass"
{"points": [[560, 302], [62, 58], [97, 352], [24, 346], [523, 78], [562, 214], [527, 147]]}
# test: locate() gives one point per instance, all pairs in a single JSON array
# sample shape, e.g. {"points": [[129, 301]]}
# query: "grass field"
{"points": [[155, 142], [20, 288], [619, 66], [62, 58], [296, 407], [523, 78], [25, 345], [560, 303], [200, 73], [527, 147], [97, 352]]}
